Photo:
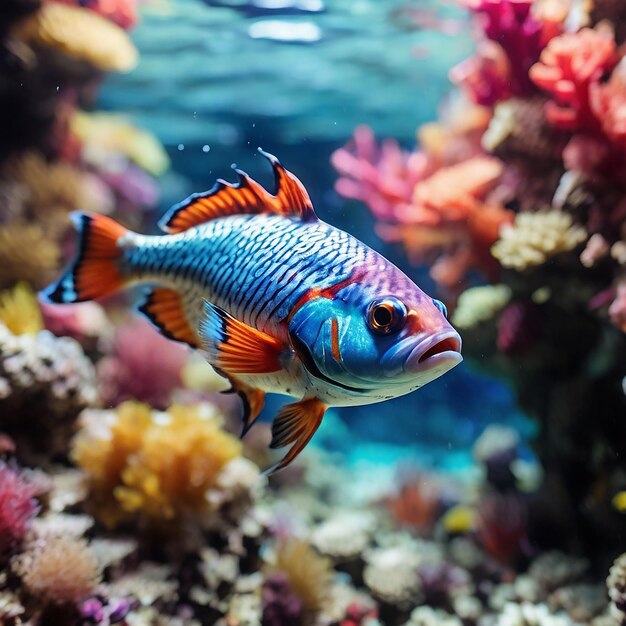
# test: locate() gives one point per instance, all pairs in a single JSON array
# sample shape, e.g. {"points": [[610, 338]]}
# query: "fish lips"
{"points": [[436, 354]]}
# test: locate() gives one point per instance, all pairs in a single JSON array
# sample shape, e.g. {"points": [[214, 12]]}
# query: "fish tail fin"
{"points": [[95, 270]]}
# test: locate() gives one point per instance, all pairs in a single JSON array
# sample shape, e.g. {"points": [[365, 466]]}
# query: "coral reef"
{"points": [[534, 210]]}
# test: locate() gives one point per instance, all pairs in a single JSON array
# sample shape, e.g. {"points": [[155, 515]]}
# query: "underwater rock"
{"points": [[45, 381]]}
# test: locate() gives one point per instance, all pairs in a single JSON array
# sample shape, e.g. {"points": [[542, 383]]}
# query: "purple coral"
{"points": [[143, 366], [280, 605], [17, 507]]}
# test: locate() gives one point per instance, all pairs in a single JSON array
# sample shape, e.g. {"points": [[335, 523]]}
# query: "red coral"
{"points": [[17, 507], [567, 69], [608, 103], [415, 506], [144, 366], [517, 327], [501, 523], [486, 76], [512, 25], [382, 176]]}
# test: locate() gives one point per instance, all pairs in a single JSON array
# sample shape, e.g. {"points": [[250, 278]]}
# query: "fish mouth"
{"points": [[441, 351]]}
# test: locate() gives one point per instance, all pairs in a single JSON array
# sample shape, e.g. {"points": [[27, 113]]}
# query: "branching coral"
{"points": [[569, 65], [534, 238], [79, 34], [158, 465], [383, 176], [17, 508], [58, 569], [142, 365]]}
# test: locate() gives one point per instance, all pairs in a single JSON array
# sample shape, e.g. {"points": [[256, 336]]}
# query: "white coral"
{"points": [[536, 237], [528, 614], [480, 304], [345, 535]]}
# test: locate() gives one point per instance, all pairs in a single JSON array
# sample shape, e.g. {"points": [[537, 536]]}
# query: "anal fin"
{"points": [[164, 308], [295, 424], [253, 400], [235, 347]]}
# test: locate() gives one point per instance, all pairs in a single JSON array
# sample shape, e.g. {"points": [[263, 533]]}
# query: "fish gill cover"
{"points": [[125, 495]]}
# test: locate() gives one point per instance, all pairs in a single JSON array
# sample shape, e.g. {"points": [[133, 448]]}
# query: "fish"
{"points": [[276, 300]]}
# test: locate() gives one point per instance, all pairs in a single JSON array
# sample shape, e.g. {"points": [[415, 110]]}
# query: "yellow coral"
{"points": [[480, 304], [19, 310], [115, 133], [79, 34], [308, 573], [59, 569], [158, 464], [27, 254], [536, 237]]}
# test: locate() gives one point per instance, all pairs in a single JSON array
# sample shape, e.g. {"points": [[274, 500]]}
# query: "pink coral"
{"points": [[121, 12], [382, 176], [617, 310], [143, 366], [17, 507], [517, 327], [521, 36], [486, 76], [608, 102], [568, 67]]}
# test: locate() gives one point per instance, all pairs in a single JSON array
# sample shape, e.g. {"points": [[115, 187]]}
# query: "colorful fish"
{"points": [[277, 300]]}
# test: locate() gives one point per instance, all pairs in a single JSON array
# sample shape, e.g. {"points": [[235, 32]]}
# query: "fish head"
{"points": [[385, 343]]}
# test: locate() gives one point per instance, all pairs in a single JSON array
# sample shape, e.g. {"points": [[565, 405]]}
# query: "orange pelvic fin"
{"points": [[244, 197], [295, 424], [235, 347], [95, 271], [253, 400], [164, 308]]}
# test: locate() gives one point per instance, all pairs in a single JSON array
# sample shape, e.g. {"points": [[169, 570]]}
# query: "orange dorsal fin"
{"points": [[295, 424], [164, 308], [235, 347], [244, 197]]}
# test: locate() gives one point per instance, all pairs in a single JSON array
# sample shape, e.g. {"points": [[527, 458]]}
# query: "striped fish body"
{"points": [[277, 300]]}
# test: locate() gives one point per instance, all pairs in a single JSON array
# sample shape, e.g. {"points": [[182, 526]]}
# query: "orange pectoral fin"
{"points": [[295, 424], [235, 347]]}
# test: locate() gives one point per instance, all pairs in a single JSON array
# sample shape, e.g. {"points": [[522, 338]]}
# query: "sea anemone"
{"points": [[79, 34], [17, 508], [416, 505], [58, 569], [142, 365], [19, 310], [159, 465], [308, 574], [534, 238]]}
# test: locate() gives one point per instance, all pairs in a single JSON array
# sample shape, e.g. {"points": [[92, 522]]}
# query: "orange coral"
{"points": [[160, 465], [449, 212], [415, 506]]}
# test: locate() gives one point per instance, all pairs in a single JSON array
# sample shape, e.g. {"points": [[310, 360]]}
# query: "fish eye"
{"points": [[442, 307], [386, 315]]}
